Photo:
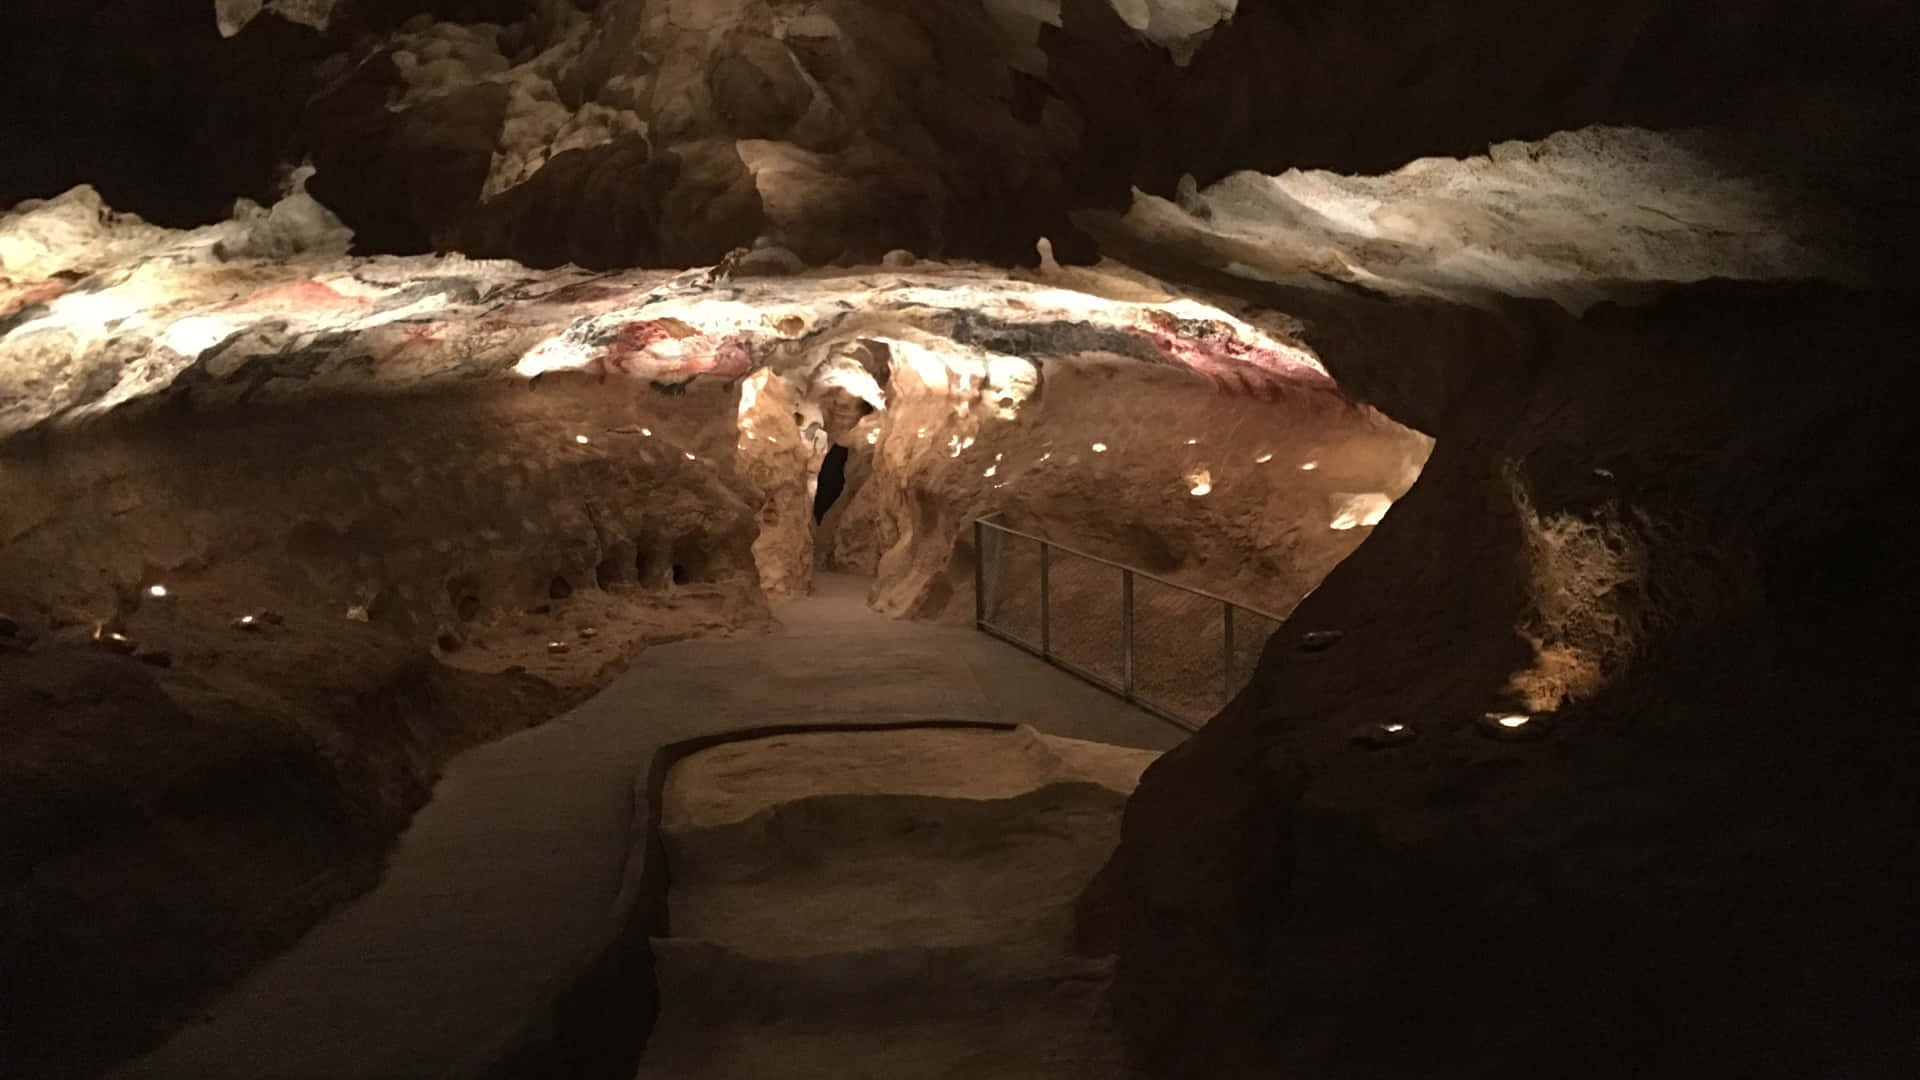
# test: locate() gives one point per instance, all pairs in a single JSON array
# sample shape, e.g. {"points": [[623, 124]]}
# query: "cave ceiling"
{"points": [[623, 133]]}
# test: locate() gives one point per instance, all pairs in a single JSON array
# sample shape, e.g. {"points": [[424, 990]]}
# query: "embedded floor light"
{"points": [[1099, 448], [113, 641], [1309, 466], [582, 439], [1380, 736], [1320, 640], [647, 431], [1512, 725], [1263, 458], [158, 592]]}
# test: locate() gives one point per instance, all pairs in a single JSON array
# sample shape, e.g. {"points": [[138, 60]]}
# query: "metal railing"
{"points": [[1178, 652]]}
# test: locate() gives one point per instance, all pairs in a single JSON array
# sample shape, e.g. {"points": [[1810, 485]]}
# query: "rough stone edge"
{"points": [[599, 1022]]}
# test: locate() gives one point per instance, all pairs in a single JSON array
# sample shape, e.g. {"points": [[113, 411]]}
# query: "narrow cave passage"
{"points": [[830, 483]]}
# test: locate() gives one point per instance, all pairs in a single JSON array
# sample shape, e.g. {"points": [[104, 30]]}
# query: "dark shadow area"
{"points": [[833, 481]]}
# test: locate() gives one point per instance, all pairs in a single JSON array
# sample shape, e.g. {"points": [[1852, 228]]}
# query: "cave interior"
{"points": [[985, 538]]}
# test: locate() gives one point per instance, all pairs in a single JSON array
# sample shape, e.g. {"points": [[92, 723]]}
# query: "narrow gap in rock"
{"points": [[833, 480]]}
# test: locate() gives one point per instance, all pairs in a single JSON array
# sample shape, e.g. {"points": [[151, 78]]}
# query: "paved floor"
{"points": [[511, 879]]}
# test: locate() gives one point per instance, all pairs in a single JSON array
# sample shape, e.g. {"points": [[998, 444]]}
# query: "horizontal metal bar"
{"points": [[1011, 638], [1137, 702], [1010, 531]]}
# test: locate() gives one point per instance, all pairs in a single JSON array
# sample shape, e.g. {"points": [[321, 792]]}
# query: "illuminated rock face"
{"points": [[957, 390], [1577, 218], [404, 456]]}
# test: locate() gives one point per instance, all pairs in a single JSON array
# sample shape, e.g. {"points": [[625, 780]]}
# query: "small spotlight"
{"points": [[158, 592], [647, 431], [689, 454], [1099, 448], [991, 469], [1381, 736], [1310, 466], [1193, 442], [872, 437], [582, 439], [1512, 725], [1320, 640], [113, 641], [1263, 458]]}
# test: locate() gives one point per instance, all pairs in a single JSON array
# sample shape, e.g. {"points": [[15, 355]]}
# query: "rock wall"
{"points": [[1236, 492], [275, 543], [1659, 535]]}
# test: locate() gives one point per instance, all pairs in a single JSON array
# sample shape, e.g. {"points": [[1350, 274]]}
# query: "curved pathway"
{"points": [[517, 874]]}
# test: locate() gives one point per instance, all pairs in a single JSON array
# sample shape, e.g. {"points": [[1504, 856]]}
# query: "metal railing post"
{"points": [[1226, 666], [1129, 686], [979, 574], [1046, 628]]}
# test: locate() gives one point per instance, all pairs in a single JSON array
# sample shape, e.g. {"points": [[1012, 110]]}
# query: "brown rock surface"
{"points": [[1660, 531]]}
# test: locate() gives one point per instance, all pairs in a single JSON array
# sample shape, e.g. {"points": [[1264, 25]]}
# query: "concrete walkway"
{"points": [[517, 874]]}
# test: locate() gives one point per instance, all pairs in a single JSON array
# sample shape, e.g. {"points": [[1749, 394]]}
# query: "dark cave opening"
{"points": [[832, 481]]}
